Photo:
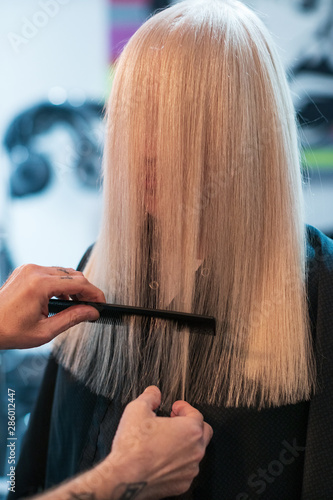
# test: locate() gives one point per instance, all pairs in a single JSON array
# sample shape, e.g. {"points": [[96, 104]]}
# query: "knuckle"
{"points": [[78, 274], [33, 279], [141, 406], [182, 486], [80, 279], [198, 455], [196, 471], [192, 473], [196, 432], [29, 268]]}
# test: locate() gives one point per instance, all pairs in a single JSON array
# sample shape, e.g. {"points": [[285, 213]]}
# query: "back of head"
{"points": [[202, 214]]}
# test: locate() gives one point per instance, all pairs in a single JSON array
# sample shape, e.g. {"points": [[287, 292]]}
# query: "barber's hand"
{"points": [[162, 452], [151, 458], [24, 301]]}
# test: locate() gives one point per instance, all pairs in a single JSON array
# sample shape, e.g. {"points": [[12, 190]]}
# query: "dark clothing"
{"points": [[283, 453]]}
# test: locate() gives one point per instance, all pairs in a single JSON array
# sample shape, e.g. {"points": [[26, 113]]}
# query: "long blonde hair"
{"points": [[202, 213]]}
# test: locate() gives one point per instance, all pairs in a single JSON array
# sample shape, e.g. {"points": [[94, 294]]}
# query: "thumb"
{"points": [[72, 316], [183, 409], [152, 396]]}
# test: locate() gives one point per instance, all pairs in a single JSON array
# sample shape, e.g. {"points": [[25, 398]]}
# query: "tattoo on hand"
{"points": [[63, 270], [66, 277]]}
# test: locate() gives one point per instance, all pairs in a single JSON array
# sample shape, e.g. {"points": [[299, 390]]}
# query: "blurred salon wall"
{"points": [[303, 32], [54, 52]]}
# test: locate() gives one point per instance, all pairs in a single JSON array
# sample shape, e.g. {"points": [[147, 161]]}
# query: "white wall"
{"points": [[48, 48]]}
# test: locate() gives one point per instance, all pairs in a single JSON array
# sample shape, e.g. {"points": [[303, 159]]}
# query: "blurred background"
{"points": [[56, 61]]}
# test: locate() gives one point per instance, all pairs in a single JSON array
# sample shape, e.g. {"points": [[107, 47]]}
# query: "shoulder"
{"points": [[320, 280], [319, 251]]}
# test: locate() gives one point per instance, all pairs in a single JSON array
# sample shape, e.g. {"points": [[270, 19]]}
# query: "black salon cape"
{"points": [[282, 453]]}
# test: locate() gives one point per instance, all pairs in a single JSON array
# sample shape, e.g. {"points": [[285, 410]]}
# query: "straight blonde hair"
{"points": [[202, 213]]}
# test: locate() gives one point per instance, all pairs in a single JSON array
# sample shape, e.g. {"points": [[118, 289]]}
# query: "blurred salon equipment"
{"points": [[31, 171]]}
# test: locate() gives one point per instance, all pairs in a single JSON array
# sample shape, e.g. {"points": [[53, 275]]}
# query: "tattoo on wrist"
{"points": [[82, 496], [122, 492], [127, 491], [66, 277]]}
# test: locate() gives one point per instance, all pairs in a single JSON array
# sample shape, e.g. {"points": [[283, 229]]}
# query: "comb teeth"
{"points": [[112, 314], [116, 319]]}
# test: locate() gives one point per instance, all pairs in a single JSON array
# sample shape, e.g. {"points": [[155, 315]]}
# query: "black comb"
{"points": [[114, 314]]}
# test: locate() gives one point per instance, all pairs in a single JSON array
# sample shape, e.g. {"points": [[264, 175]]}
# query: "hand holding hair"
{"points": [[24, 301], [162, 454], [151, 457]]}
